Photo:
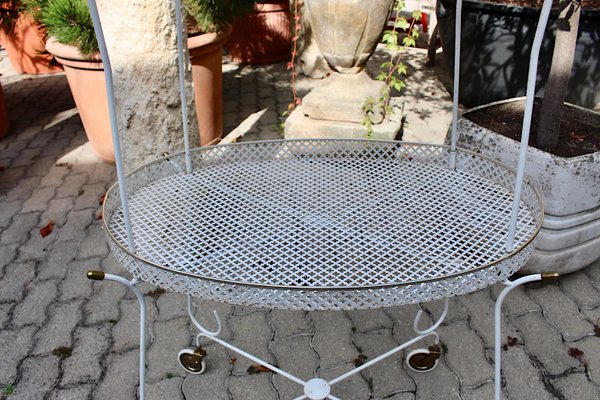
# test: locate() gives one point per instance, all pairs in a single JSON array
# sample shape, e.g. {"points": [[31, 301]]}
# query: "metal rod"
{"points": [[533, 61], [113, 121], [98, 275], [205, 331], [497, 327], [456, 86], [381, 357], [436, 324], [182, 91]]}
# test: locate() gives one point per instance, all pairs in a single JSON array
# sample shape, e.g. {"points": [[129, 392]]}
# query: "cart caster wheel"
{"points": [[423, 360], [192, 360]]}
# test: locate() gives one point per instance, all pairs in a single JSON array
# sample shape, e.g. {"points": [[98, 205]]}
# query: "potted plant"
{"points": [[24, 40], [208, 30], [73, 42], [496, 42], [564, 162], [263, 36]]}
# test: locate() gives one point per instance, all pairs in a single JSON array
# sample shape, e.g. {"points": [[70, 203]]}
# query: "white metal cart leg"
{"points": [[99, 276], [510, 285]]}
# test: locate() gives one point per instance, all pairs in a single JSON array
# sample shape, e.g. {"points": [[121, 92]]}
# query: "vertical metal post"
{"points": [[113, 121], [99, 276], [182, 92], [455, 89], [533, 61]]}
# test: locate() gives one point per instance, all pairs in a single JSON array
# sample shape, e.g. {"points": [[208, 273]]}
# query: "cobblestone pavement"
{"points": [[64, 337]]}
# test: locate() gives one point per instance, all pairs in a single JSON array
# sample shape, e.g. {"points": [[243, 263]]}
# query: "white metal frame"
{"points": [[317, 388]]}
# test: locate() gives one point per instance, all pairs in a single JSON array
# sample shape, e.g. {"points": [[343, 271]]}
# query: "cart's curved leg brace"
{"points": [[99, 276], [510, 285], [317, 388]]}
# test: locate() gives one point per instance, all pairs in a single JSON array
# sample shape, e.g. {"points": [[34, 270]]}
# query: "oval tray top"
{"points": [[322, 224]]}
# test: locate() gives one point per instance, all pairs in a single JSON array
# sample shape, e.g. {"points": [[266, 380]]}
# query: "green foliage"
{"points": [[69, 21], [213, 15], [9, 12], [8, 389], [391, 71]]}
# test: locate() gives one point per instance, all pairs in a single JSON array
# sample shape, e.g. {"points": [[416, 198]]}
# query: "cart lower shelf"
{"points": [[323, 224]]}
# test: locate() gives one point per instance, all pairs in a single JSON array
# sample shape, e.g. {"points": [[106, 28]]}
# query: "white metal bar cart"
{"points": [[323, 225]]}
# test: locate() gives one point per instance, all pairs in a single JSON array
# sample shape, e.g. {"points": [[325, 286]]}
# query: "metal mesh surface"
{"points": [[322, 224]]}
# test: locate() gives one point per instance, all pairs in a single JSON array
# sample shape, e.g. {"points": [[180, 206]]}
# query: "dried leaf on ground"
{"points": [[257, 369], [360, 360], [102, 198], [45, 231]]}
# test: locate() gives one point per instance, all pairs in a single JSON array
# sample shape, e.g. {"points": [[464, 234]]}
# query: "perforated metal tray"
{"points": [[322, 224]]}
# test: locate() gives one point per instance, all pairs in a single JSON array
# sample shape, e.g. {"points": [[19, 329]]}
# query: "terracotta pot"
{"points": [[4, 122], [85, 75], [25, 48], [264, 36], [205, 55]]}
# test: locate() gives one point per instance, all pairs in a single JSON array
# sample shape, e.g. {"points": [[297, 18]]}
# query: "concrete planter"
{"points": [[25, 48], [85, 75], [205, 55], [570, 235]]}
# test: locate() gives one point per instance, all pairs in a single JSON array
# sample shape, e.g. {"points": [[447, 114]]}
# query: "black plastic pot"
{"points": [[496, 44]]}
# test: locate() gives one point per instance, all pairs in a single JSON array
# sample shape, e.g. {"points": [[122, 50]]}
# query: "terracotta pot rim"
{"points": [[69, 52], [215, 38]]}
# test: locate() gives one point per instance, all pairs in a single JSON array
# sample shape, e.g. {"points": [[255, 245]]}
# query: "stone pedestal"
{"points": [[299, 125]]}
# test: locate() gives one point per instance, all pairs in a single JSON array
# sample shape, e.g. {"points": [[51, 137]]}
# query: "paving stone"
{"points": [[71, 185], [4, 314], [403, 318], [26, 158], [35, 247], [543, 342], [76, 285], [90, 196], [400, 396], [251, 387], [577, 386], [456, 311], [20, 228], [288, 323], [169, 338], [171, 305], [8, 211], [57, 210], [480, 307], [105, 302], [332, 339], [295, 356], [354, 387], [55, 176], [72, 393], [580, 289], [94, 243], [522, 378], [593, 271], [164, 389], [251, 333], [212, 383], [38, 376], [389, 375], [485, 391], [89, 346], [60, 256], [24, 189], [8, 254], [16, 277], [517, 302], [126, 331], [58, 331], [465, 354], [440, 383], [591, 353], [369, 320], [103, 173], [562, 312], [32, 310], [41, 166], [14, 346], [39, 199], [121, 373]]}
